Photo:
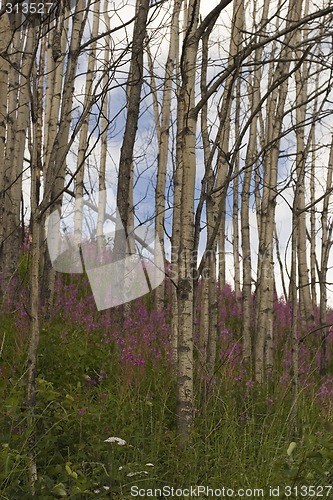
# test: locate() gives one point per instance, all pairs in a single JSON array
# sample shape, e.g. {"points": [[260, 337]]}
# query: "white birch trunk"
{"points": [[187, 134], [163, 148], [104, 139], [15, 157], [326, 245], [5, 34], [275, 108], [88, 97]]}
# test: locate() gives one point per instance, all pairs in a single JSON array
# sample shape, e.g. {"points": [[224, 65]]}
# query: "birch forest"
{"points": [[166, 273]]}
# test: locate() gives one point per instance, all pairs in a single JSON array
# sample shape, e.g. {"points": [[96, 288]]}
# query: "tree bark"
{"points": [[164, 139]]}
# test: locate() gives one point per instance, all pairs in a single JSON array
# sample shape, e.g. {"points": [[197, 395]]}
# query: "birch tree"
{"points": [[163, 135], [20, 54], [186, 138], [251, 153], [5, 38], [55, 169], [275, 107], [134, 86], [326, 245], [301, 76]]}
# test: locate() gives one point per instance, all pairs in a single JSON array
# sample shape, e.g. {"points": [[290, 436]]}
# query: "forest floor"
{"points": [[95, 382]]}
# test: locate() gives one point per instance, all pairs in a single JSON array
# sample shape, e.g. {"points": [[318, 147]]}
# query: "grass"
{"points": [[89, 389]]}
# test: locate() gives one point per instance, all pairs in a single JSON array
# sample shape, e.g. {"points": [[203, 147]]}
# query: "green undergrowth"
{"points": [[241, 438]]}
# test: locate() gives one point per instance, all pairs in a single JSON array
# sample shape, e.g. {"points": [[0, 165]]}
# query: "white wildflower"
{"points": [[113, 439], [150, 465], [131, 474]]}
